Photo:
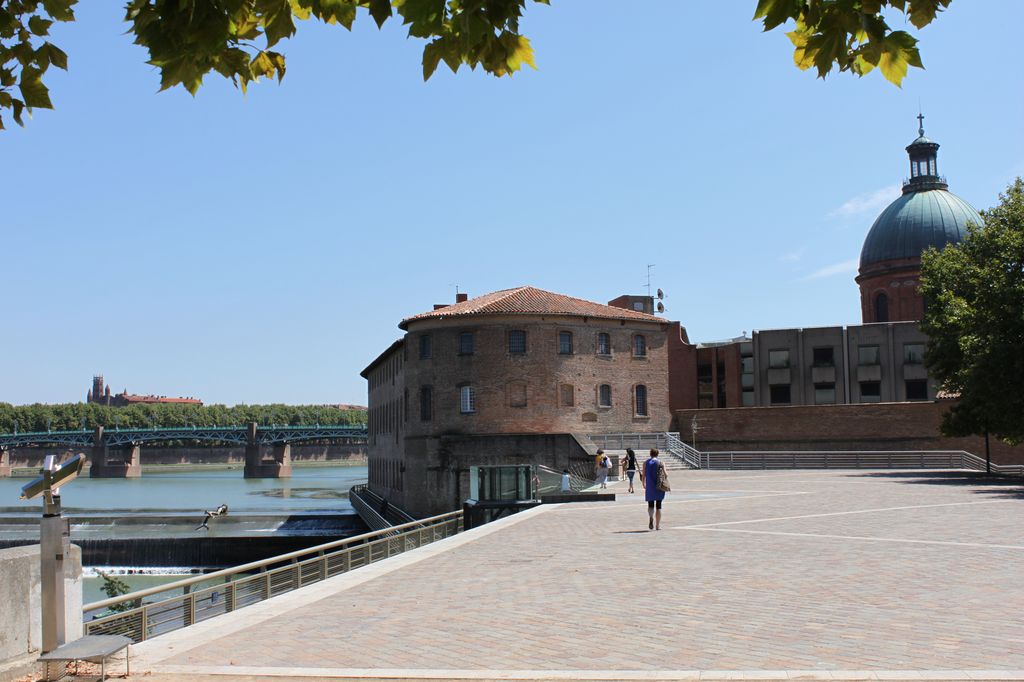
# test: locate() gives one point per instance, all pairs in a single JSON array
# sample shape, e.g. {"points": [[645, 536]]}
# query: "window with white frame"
{"points": [[467, 400], [604, 343]]}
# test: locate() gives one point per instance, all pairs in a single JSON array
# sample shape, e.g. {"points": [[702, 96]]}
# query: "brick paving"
{"points": [[752, 571]]}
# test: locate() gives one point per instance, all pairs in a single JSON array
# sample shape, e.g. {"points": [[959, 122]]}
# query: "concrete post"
{"points": [[98, 455], [128, 465], [279, 465], [5, 462]]}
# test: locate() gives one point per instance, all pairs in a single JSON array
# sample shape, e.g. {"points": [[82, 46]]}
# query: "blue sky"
{"points": [[263, 248]]}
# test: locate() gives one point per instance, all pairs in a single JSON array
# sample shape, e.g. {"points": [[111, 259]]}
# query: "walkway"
{"points": [[761, 575]]}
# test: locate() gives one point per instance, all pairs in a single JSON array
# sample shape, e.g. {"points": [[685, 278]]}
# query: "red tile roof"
{"points": [[152, 399], [531, 301]]}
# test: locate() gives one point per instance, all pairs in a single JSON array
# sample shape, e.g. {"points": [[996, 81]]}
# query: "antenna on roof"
{"points": [[650, 266]]}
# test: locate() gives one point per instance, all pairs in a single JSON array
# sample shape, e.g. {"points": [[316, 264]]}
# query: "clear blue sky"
{"points": [[263, 248]]}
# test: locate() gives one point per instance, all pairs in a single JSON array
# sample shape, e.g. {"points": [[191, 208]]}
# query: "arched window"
{"points": [[641, 400], [639, 346], [881, 307], [604, 395]]}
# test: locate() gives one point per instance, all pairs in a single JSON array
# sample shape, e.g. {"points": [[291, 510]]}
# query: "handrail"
{"points": [[689, 455], [254, 565]]}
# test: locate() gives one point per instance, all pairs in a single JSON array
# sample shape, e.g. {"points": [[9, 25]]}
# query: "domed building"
{"points": [[926, 215]]}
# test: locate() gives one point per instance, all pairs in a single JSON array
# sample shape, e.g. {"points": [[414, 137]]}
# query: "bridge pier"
{"points": [[278, 465], [121, 463], [5, 462]]}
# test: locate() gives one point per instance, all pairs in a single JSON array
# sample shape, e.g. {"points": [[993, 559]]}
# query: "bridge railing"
{"points": [[259, 580]]}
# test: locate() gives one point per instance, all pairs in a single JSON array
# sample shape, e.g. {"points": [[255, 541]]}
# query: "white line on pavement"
{"points": [[851, 537], [842, 513]]}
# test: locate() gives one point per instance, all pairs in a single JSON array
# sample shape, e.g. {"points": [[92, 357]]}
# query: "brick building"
{"points": [[509, 376], [100, 394]]}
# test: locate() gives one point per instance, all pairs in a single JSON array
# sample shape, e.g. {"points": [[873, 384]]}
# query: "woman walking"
{"points": [[654, 471], [630, 467]]}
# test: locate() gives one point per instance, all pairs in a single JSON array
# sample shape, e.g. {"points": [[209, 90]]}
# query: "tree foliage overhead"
{"points": [[72, 416], [237, 39], [851, 35], [975, 322]]}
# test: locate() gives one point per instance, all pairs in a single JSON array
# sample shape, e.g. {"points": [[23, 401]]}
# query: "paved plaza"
{"points": [[817, 574]]}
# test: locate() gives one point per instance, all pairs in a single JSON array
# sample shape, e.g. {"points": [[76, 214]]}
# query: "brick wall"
{"points": [[499, 377], [881, 426], [898, 279]]}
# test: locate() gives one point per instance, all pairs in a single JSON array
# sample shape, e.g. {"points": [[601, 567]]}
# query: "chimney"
{"points": [[438, 306], [461, 298]]}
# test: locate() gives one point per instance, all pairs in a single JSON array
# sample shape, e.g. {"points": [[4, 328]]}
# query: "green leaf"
{"points": [[279, 25], [923, 12], [898, 52], [33, 92], [432, 55], [39, 26], [380, 10], [60, 9], [776, 12]]}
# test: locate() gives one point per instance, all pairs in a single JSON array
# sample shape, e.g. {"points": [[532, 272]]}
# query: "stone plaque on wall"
{"points": [[589, 417]]}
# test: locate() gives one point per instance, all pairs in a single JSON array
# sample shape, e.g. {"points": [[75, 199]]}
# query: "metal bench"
{"points": [[92, 648]]}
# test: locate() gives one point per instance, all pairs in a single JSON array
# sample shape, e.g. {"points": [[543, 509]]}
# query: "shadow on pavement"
{"points": [[987, 484]]}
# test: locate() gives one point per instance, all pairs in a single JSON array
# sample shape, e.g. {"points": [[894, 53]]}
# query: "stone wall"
{"points": [[437, 469], [32, 457], [880, 426], [20, 622]]}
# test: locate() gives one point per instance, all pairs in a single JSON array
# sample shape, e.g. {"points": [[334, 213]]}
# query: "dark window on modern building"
{"points": [[641, 401], [466, 345], [913, 354], [748, 398], [426, 403], [917, 389], [639, 346], [604, 395], [779, 394], [871, 391], [604, 344], [565, 343], [824, 394], [824, 357], [467, 400], [867, 355], [425, 346], [721, 385], [881, 308], [778, 359], [568, 396], [517, 341], [517, 394]]}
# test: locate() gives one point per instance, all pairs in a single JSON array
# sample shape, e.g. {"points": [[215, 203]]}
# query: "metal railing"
{"points": [[368, 505], [260, 580], [637, 441], [835, 459], [976, 463], [675, 446]]}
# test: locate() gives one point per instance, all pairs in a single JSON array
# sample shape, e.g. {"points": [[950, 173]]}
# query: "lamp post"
{"points": [[693, 430]]}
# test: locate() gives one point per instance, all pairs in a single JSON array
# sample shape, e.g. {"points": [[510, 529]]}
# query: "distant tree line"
{"points": [[71, 416]]}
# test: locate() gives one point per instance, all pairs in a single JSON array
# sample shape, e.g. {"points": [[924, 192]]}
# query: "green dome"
{"points": [[916, 221]]}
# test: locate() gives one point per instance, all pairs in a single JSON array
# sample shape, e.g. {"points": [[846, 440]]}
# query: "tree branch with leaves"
{"points": [[237, 39]]}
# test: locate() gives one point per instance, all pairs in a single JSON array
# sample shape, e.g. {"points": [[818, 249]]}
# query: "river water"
{"points": [[316, 488], [164, 495]]}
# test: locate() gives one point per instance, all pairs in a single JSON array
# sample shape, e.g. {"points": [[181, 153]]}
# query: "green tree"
{"points": [[975, 322], [188, 39]]}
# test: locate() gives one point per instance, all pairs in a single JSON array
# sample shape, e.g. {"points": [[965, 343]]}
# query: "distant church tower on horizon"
{"points": [[926, 215]]}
